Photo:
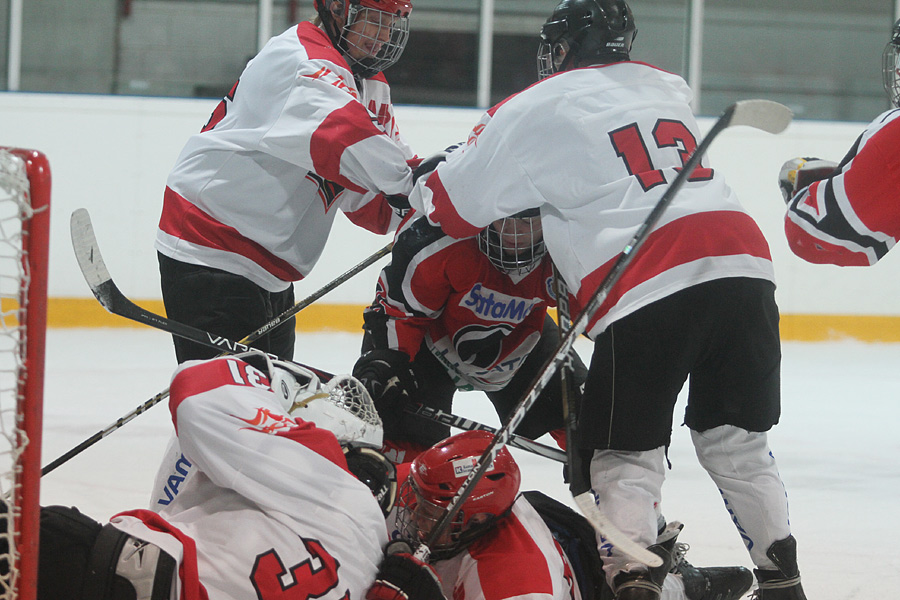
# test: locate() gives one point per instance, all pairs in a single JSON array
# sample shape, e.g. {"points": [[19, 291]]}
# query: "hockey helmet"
{"points": [[891, 66], [342, 406], [435, 477], [585, 32], [370, 34], [515, 244], [377, 472]]}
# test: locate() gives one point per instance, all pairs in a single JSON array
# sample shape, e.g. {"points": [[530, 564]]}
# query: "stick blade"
{"points": [[588, 507], [766, 115], [87, 253]]}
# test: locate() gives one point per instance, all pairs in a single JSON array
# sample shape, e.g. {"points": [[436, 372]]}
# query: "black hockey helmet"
{"points": [[585, 32], [891, 66], [377, 472], [514, 244]]}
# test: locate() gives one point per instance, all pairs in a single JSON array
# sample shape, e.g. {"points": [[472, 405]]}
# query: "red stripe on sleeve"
{"points": [[813, 250], [445, 213], [341, 129], [375, 216], [185, 221]]}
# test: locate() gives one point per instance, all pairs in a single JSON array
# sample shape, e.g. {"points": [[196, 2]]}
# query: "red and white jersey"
{"points": [[518, 559], [853, 217], [595, 148], [256, 191], [270, 505], [479, 322]]}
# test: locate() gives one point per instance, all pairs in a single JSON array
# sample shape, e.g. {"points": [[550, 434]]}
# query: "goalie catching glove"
{"points": [[404, 577], [798, 173], [388, 377]]}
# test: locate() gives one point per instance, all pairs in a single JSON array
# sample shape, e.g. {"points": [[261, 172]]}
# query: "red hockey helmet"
{"points": [[434, 478], [370, 34]]}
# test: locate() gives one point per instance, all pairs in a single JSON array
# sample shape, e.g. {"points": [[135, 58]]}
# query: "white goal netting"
{"points": [[18, 367]]}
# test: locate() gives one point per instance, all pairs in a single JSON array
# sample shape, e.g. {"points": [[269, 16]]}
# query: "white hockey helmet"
{"points": [[342, 405]]}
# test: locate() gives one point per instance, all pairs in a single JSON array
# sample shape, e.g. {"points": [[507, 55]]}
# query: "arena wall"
{"points": [[111, 155]]}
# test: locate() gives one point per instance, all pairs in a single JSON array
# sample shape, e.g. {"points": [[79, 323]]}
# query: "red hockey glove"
{"points": [[404, 577]]}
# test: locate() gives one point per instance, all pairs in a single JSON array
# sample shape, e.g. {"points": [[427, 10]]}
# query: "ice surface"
{"points": [[837, 446]]}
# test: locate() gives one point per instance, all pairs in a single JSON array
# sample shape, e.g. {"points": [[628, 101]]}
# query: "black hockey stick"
{"points": [[762, 114], [87, 253], [83, 231], [573, 460]]}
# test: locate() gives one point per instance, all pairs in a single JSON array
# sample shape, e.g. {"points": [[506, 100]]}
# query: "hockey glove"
{"points": [[431, 163], [399, 203], [404, 577], [389, 379], [798, 173]]}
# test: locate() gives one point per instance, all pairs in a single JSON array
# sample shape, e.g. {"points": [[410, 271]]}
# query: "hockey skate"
{"points": [[782, 583], [647, 584], [710, 583]]}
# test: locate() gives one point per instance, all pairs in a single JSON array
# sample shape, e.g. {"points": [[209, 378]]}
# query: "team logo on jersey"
{"points": [[496, 306], [328, 190], [268, 422]]}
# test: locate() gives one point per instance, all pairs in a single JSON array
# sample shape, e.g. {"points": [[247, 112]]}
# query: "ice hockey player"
{"points": [[308, 129], [593, 145], [506, 545], [467, 314], [846, 214], [288, 494]]}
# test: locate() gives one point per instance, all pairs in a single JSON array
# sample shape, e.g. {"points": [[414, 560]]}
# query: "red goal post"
{"points": [[24, 246]]}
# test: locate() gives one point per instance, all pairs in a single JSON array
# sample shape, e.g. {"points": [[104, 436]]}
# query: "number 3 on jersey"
{"points": [[629, 144], [312, 578]]}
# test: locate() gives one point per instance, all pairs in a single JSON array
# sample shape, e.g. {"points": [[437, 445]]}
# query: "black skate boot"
{"points": [[710, 583], [782, 583], [647, 585]]}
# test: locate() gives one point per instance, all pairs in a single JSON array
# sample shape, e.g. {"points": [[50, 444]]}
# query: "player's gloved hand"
{"points": [[797, 173], [404, 577], [399, 203], [431, 163], [389, 379]]}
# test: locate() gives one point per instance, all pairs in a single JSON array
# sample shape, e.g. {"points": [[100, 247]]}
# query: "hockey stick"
{"points": [[523, 443], [109, 295], [761, 114], [573, 460], [83, 231]]}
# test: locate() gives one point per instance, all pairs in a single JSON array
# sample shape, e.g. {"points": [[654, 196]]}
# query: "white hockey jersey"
{"points": [[270, 505], [595, 148], [853, 217], [255, 192]]}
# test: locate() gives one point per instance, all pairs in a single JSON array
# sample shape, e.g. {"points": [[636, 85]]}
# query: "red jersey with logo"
{"points": [[853, 217], [297, 137], [269, 505], [479, 322]]}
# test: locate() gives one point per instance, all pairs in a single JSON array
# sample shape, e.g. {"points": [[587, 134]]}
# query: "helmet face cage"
{"points": [[372, 39], [417, 516], [891, 66], [514, 245]]}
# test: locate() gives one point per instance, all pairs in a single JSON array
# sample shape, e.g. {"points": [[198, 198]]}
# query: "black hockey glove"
{"points": [[404, 577], [431, 163], [388, 377], [399, 203]]}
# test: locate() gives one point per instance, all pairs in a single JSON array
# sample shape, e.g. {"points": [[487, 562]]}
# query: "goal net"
{"points": [[24, 233]]}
